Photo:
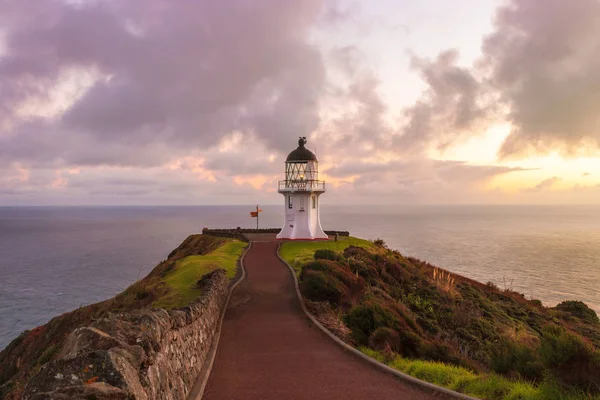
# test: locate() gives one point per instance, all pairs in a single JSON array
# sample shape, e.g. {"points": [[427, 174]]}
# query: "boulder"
{"points": [[101, 366]]}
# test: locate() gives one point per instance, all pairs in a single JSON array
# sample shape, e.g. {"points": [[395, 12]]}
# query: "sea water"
{"points": [[55, 259]]}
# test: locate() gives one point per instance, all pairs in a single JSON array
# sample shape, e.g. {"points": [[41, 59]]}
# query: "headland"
{"points": [[156, 340]]}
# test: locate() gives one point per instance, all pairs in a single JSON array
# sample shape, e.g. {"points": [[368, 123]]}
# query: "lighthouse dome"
{"points": [[301, 154]]}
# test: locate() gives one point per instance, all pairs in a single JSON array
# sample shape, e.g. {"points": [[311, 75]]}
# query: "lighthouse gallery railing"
{"points": [[301, 186]]}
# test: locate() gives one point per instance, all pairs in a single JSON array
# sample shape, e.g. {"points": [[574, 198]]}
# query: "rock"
{"points": [[141, 355], [85, 339], [99, 366], [133, 354], [96, 391]]}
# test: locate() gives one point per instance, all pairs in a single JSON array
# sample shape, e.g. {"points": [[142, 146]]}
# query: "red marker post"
{"points": [[254, 214]]}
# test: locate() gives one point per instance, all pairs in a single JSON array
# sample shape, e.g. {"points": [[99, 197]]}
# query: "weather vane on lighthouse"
{"points": [[301, 190]]}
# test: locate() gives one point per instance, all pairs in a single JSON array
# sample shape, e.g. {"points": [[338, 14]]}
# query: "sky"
{"points": [[160, 102]]}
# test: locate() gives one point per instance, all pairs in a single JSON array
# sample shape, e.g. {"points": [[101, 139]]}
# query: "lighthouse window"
{"points": [[314, 201], [290, 202]]}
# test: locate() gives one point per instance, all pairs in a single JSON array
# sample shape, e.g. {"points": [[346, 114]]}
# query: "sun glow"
{"points": [[565, 173], [258, 182]]}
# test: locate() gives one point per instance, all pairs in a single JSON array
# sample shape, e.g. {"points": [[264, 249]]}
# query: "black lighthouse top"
{"points": [[301, 154]]}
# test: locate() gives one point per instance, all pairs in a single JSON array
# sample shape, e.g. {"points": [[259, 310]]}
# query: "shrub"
{"points": [[318, 265], [384, 338], [318, 286], [326, 254], [400, 274], [578, 309], [570, 359], [333, 269], [536, 303], [510, 356], [365, 269], [141, 294], [356, 252], [366, 318], [411, 344], [558, 346], [47, 355], [437, 351], [380, 243]]}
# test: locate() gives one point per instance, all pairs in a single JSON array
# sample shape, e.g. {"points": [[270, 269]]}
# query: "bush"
{"points": [[365, 270], [570, 359], [384, 338], [337, 271], [366, 318], [356, 252], [380, 243], [536, 303], [509, 356], [559, 346], [437, 351], [578, 309], [326, 254], [318, 265], [411, 344], [318, 286]]}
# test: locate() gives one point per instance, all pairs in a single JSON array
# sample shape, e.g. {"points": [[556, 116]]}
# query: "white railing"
{"points": [[302, 186]]}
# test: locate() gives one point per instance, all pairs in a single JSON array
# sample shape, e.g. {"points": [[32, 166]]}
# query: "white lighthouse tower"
{"points": [[301, 190]]}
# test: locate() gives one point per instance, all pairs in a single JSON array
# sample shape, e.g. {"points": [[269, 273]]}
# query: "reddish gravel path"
{"points": [[269, 349]]}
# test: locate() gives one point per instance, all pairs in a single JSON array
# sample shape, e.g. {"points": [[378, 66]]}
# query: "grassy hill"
{"points": [[447, 329], [171, 284]]}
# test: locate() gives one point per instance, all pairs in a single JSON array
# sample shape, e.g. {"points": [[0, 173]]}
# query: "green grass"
{"points": [[297, 253], [484, 386], [181, 281]]}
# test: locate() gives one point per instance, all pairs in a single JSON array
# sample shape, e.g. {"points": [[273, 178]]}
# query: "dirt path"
{"points": [[270, 350]]}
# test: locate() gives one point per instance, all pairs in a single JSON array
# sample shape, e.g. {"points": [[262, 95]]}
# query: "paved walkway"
{"points": [[270, 350]]}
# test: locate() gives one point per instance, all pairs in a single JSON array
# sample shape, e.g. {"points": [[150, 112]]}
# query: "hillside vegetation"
{"points": [[448, 329], [171, 284], [298, 253]]}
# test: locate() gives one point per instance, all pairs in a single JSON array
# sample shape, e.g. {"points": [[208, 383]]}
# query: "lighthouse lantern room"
{"points": [[301, 190]]}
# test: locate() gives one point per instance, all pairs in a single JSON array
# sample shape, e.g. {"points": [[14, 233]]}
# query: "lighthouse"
{"points": [[301, 190]]}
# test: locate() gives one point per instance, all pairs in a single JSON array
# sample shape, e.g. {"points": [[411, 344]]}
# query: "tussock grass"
{"points": [[484, 386], [444, 281]]}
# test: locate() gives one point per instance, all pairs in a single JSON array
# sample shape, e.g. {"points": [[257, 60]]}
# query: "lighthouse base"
{"points": [[299, 231], [302, 217]]}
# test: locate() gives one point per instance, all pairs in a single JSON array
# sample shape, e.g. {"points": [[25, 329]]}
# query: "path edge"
{"points": [[398, 374], [197, 391]]}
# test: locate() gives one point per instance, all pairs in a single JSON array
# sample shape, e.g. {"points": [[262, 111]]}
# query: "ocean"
{"points": [[55, 259]]}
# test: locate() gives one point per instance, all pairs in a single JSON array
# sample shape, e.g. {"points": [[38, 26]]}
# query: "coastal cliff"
{"points": [[147, 354], [152, 340], [164, 322]]}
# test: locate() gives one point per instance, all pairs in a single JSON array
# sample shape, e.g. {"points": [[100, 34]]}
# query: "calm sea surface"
{"points": [[55, 259]]}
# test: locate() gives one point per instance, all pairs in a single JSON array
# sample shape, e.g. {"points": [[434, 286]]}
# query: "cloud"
{"points": [[170, 75], [182, 101], [450, 108], [415, 180], [539, 71], [544, 59], [544, 185]]}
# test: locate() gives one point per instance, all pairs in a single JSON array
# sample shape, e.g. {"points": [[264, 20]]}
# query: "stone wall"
{"points": [[145, 354], [239, 233]]}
